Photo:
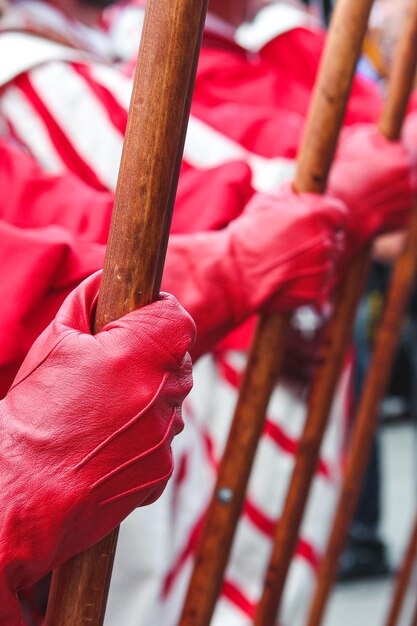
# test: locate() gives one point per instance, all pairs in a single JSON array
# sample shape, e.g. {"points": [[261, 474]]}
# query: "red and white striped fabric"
{"points": [[149, 583], [69, 109]]}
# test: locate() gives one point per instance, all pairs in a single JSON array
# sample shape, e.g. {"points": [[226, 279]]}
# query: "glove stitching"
{"points": [[129, 492], [123, 428], [133, 460]]}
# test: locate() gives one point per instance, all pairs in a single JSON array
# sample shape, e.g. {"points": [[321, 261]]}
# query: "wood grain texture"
{"points": [[329, 99], [337, 336], [327, 109], [80, 586], [386, 341], [151, 157], [228, 496], [414, 618], [144, 201], [403, 579], [316, 153], [401, 78], [365, 420], [333, 350]]}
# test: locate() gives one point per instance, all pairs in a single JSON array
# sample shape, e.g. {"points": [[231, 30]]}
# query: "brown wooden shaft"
{"points": [[338, 334], [365, 420], [399, 89], [414, 618], [70, 581], [316, 153], [228, 496], [157, 122], [401, 78], [144, 201], [329, 99], [403, 579], [344, 45]]}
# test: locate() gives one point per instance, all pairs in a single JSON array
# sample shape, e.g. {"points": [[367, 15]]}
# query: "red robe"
{"points": [[243, 133]]}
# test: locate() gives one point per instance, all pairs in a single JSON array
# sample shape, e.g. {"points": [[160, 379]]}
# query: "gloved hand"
{"points": [[376, 179], [86, 433], [278, 255]]}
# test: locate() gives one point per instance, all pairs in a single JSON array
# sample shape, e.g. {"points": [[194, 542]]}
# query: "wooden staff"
{"points": [[138, 237], [403, 579], [337, 337], [387, 338], [414, 618], [319, 142]]}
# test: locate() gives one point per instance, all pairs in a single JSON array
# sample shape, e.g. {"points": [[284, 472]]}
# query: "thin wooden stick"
{"points": [[383, 354], [401, 79], [414, 618], [403, 579], [331, 91], [365, 421], [337, 337], [316, 153], [138, 237], [335, 342]]}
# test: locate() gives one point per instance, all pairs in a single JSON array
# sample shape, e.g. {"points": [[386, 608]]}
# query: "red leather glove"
{"points": [[376, 178], [278, 255], [86, 433]]}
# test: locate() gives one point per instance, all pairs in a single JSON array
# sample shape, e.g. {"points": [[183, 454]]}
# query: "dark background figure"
{"points": [[325, 7]]}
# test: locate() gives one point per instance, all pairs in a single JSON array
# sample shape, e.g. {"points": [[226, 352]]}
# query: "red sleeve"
{"points": [[39, 267], [210, 199], [30, 198]]}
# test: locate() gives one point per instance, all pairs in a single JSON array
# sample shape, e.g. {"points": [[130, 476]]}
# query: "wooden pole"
{"points": [[365, 421], [335, 342], [401, 79], [316, 153], [337, 337], [138, 237], [386, 341], [414, 618], [403, 579]]}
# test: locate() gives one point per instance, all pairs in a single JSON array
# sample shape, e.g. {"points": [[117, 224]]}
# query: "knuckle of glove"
{"points": [[178, 383], [325, 218], [284, 215], [331, 212], [378, 184], [183, 326], [164, 326]]}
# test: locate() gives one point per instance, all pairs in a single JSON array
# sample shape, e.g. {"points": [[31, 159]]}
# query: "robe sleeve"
{"points": [[39, 267], [30, 198]]}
